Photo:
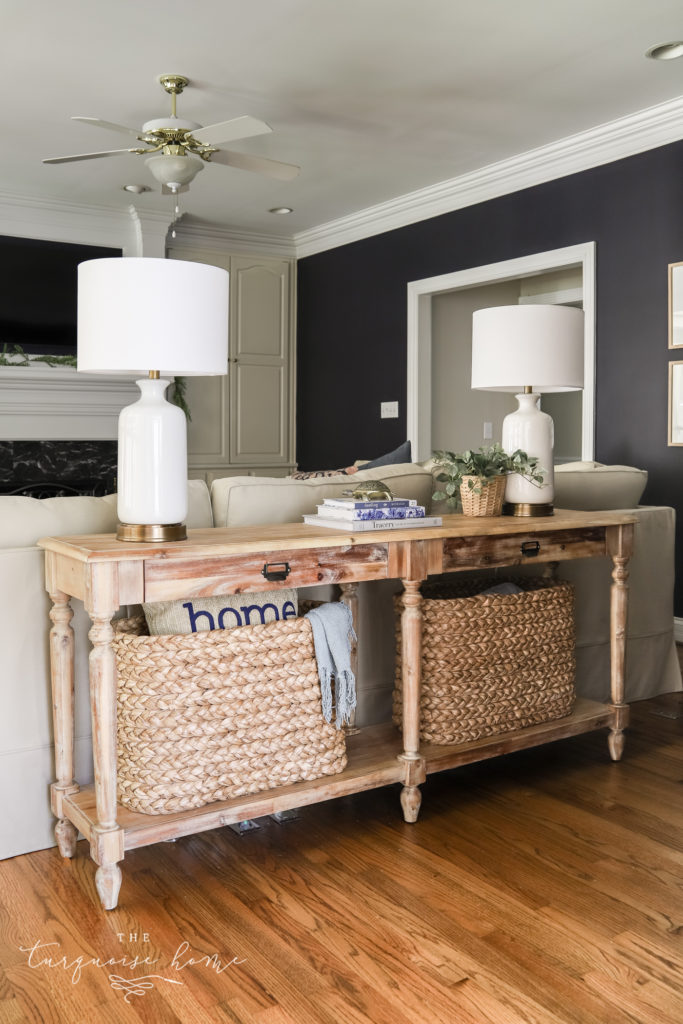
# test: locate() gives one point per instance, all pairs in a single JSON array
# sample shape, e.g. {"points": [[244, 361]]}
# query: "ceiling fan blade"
{"points": [[246, 162], [108, 124], [229, 131], [85, 156]]}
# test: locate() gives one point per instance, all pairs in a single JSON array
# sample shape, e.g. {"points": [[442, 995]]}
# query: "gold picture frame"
{"points": [[676, 305], [676, 404]]}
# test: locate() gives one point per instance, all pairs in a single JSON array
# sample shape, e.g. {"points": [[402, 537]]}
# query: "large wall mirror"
{"points": [[676, 305]]}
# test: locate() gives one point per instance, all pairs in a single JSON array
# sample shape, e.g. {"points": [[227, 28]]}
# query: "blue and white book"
{"points": [[388, 503], [362, 514], [367, 525]]}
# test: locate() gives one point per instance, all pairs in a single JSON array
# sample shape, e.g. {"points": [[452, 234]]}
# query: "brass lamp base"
{"points": [[145, 533], [526, 508]]}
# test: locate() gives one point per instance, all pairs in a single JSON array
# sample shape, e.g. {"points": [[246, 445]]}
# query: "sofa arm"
{"points": [[651, 663]]}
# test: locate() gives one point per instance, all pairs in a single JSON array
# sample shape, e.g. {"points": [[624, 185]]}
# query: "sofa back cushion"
{"points": [[258, 500], [24, 520], [591, 487]]}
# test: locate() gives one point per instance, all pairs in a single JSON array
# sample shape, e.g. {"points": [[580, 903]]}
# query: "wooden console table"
{"points": [[105, 573]]}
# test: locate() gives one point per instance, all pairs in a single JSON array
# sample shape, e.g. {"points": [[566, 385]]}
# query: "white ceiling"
{"points": [[372, 98]]}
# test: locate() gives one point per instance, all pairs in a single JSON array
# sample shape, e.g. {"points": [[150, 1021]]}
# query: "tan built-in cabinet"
{"points": [[244, 423]]}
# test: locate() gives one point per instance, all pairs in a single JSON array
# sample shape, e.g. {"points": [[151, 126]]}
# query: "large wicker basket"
{"points": [[213, 715], [492, 663]]}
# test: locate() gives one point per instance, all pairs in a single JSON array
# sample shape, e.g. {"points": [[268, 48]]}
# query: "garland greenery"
{"points": [[14, 355]]}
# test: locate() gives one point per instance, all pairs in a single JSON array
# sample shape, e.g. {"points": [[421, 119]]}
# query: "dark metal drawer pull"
{"points": [[276, 575], [530, 548]]}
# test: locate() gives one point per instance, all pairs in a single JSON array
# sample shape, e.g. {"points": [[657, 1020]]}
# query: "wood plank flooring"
{"points": [[545, 887]]}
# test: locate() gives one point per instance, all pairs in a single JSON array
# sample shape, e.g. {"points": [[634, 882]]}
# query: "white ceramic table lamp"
{"points": [[528, 349], [163, 317]]}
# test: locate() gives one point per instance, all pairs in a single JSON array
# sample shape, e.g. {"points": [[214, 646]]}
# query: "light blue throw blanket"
{"points": [[332, 637]]}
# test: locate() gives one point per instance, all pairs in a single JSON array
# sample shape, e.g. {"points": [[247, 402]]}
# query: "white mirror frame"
{"points": [[675, 439], [676, 305], [419, 382]]}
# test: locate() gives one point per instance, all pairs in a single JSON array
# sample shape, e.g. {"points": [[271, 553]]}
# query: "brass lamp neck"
{"points": [[154, 374]]}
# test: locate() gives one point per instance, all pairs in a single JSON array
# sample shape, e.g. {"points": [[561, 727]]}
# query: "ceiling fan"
{"points": [[177, 149]]}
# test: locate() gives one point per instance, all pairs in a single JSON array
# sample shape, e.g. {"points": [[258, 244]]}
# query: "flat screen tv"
{"points": [[38, 288]]}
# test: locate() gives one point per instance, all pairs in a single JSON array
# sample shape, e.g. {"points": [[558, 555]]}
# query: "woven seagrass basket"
{"points": [[492, 663], [219, 714], [489, 500]]}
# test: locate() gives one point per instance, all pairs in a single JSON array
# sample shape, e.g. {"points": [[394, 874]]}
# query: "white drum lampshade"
{"points": [[166, 318], [528, 350]]}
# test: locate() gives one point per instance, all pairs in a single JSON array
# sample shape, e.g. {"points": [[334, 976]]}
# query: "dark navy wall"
{"points": [[352, 312]]}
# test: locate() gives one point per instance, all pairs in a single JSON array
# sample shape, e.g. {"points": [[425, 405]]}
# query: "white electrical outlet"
{"points": [[388, 410], [488, 431]]}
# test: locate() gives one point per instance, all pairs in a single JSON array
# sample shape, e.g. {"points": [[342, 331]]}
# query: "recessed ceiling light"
{"points": [[137, 189], [281, 209], [665, 51]]}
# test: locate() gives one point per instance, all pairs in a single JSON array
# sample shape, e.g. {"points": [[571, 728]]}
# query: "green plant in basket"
{"points": [[476, 468]]}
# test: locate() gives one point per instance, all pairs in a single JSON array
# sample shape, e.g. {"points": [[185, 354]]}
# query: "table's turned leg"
{"points": [[349, 595], [62, 676], [411, 651], [106, 841], [620, 547]]}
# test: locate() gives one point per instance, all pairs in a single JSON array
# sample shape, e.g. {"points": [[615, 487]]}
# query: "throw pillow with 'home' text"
{"points": [[196, 614]]}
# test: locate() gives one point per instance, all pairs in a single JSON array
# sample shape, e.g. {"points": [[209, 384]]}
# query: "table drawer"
{"points": [[253, 572], [520, 548]]}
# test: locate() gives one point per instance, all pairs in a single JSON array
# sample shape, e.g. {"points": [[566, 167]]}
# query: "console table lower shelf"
{"points": [[374, 760]]}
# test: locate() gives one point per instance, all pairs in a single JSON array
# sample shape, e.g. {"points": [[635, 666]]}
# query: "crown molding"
{"points": [[59, 220], [635, 133], [213, 238], [133, 229]]}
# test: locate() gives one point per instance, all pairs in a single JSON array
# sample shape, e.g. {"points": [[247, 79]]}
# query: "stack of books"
{"points": [[393, 514]]}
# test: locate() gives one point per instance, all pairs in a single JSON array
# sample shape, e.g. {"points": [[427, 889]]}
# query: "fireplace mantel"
{"points": [[56, 403]]}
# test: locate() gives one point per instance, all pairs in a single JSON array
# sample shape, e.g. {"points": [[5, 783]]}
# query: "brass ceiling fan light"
{"points": [[177, 149]]}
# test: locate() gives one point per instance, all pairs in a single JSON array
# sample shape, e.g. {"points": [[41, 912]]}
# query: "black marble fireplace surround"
{"points": [[54, 468]]}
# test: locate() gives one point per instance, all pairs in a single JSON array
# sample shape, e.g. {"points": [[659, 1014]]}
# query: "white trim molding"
{"points": [[134, 231], [635, 133], [56, 403], [211, 238], [419, 382], [678, 630]]}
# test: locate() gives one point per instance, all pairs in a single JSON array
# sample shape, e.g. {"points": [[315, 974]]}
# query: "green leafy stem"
{"points": [[479, 467]]}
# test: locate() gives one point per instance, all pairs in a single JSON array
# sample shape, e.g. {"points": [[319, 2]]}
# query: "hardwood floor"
{"points": [[545, 887]]}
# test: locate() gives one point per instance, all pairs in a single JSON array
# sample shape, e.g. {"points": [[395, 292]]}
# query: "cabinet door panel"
{"points": [[260, 361], [261, 310], [259, 429], [243, 422], [207, 431]]}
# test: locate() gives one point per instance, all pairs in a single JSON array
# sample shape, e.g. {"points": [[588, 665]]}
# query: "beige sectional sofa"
{"points": [[26, 766]]}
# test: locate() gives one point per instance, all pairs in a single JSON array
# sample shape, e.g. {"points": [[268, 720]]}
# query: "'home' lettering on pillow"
{"points": [[223, 611], [258, 610]]}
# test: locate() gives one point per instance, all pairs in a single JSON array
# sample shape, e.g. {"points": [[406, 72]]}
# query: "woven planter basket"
{"points": [[219, 714], [489, 502], [492, 663]]}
